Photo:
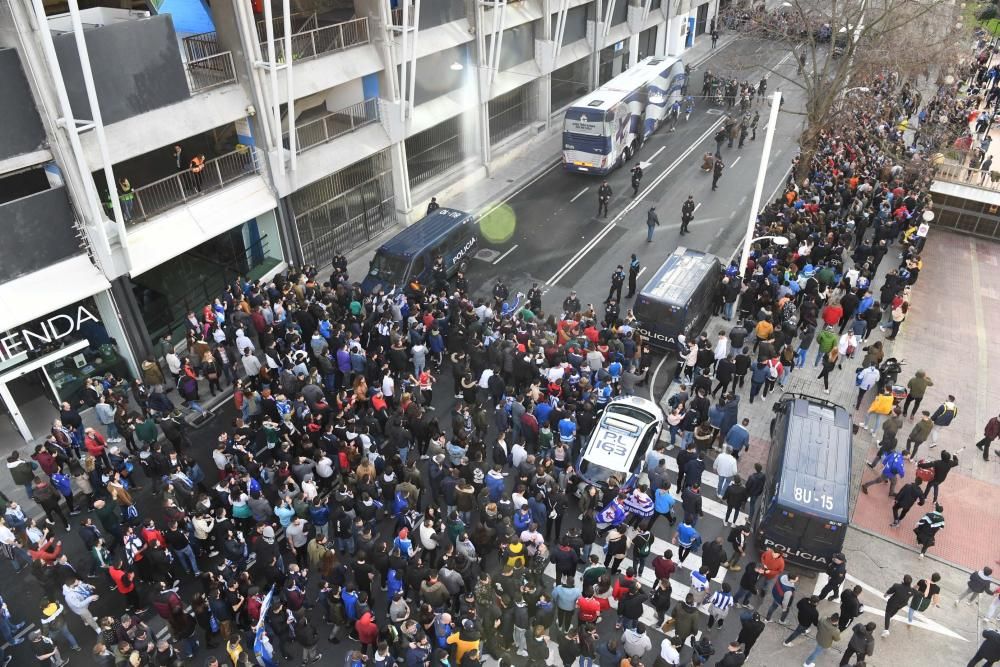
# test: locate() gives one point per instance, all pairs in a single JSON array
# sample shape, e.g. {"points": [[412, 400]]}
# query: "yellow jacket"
{"points": [[882, 405]]}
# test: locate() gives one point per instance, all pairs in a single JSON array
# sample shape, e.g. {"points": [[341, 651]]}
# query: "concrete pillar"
{"points": [[400, 179]]}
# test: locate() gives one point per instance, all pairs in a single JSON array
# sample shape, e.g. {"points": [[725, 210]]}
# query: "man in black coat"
{"points": [[836, 570], [808, 616], [713, 555], [905, 499], [850, 606], [989, 650]]}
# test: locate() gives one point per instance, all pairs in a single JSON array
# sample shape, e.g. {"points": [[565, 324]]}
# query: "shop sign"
{"points": [[44, 332]]}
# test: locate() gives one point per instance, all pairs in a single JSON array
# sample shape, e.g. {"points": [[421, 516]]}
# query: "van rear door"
{"points": [[658, 322]]}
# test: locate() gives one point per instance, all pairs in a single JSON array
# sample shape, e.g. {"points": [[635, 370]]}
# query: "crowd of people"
{"points": [[350, 497]]}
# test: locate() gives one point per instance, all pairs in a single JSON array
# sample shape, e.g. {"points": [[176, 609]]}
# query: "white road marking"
{"points": [[658, 151], [652, 382], [579, 194], [641, 271], [580, 254], [921, 621], [509, 250], [697, 206], [735, 161], [722, 229]]}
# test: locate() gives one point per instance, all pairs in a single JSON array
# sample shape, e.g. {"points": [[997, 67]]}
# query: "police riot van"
{"points": [[617, 448], [804, 508], [678, 298], [410, 254]]}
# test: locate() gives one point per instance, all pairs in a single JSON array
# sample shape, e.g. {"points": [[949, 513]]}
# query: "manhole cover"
{"points": [[714, 112], [486, 255]]}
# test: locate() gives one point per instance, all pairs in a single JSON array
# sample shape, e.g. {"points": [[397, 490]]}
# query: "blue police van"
{"points": [[410, 254]]}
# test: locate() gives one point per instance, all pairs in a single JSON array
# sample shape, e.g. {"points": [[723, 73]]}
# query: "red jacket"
{"points": [[590, 609], [622, 585], [47, 551], [123, 580], [833, 313], [95, 444], [366, 629], [773, 563]]}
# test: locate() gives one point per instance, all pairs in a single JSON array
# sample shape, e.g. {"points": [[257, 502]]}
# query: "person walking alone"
{"points": [[717, 173], [636, 179], [603, 199], [990, 433], [652, 220], [687, 213], [928, 527]]}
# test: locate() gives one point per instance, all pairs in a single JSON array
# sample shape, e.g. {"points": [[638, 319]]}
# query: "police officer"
{"points": [[617, 280], [717, 173], [461, 282], [603, 198], [571, 304], [611, 313], [687, 213], [633, 275], [440, 274], [636, 179], [500, 293], [534, 298]]}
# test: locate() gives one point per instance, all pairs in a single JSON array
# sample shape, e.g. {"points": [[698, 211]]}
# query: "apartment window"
{"points": [[569, 83], [435, 150], [346, 209], [511, 112]]}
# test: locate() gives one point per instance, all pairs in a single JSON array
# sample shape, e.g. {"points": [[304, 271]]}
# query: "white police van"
{"points": [[617, 448]]}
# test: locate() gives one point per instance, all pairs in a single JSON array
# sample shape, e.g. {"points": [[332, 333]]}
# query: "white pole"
{"points": [[272, 64], [102, 143], [290, 86], [765, 159]]}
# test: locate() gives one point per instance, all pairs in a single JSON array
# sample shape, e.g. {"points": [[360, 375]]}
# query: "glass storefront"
{"points": [[49, 360], [166, 293]]}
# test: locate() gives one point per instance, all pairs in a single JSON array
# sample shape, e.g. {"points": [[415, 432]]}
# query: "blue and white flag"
{"points": [[613, 514], [262, 648]]}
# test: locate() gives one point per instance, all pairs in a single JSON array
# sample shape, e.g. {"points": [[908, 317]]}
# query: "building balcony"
{"points": [[179, 189], [321, 40], [206, 65], [334, 124], [967, 176]]}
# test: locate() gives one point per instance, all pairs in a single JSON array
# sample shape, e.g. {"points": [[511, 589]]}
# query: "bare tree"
{"points": [[838, 45]]}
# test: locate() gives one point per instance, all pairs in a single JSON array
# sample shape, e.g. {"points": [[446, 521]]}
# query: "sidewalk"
{"points": [[522, 162], [948, 335]]}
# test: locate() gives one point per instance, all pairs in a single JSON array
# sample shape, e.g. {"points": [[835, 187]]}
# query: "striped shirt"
{"points": [[722, 601]]}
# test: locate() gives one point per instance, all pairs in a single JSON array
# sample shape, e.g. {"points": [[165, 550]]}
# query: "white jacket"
{"points": [[79, 596], [725, 465]]}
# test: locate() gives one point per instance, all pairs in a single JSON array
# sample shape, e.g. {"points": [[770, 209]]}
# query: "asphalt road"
{"points": [[560, 243]]}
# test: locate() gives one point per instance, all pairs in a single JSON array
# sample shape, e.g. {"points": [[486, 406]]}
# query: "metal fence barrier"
{"points": [[335, 124]]}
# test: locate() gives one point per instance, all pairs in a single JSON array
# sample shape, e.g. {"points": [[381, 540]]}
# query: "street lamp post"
{"points": [[765, 159]]}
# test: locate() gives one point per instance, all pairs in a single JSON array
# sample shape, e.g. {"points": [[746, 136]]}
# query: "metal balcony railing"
{"points": [[202, 45], [166, 193], [328, 39], [335, 124], [300, 21], [977, 178], [210, 72]]}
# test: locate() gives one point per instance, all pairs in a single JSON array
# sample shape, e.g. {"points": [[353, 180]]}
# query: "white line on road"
{"points": [[731, 216], [735, 161], [658, 151], [580, 254], [509, 250], [697, 206], [721, 229], [743, 200], [652, 383], [641, 271], [577, 195]]}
